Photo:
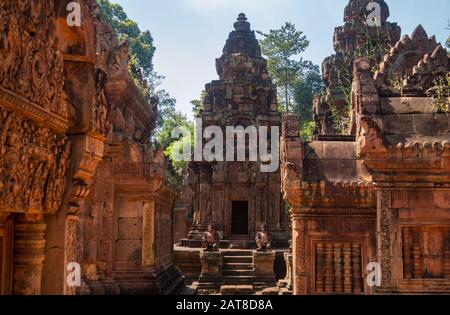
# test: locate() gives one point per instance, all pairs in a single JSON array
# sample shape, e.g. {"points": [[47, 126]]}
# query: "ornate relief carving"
{"points": [[30, 63], [29, 254], [384, 232], [370, 138], [33, 164], [299, 237]]}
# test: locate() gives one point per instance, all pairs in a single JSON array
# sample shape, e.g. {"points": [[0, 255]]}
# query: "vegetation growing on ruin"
{"points": [[373, 50], [442, 96]]}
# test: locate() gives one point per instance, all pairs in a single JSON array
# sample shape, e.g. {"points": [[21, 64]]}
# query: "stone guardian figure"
{"points": [[211, 239]]}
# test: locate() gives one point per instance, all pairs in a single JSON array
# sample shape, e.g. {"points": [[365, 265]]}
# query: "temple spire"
{"points": [[356, 10], [242, 39], [242, 25]]}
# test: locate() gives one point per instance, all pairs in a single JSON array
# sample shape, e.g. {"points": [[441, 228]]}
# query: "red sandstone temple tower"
{"points": [[379, 191], [236, 197], [352, 40]]}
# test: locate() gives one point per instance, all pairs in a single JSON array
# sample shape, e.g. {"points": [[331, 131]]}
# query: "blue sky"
{"points": [[190, 34]]}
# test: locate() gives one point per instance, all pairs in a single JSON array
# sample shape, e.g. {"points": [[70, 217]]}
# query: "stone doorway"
{"points": [[239, 218]]}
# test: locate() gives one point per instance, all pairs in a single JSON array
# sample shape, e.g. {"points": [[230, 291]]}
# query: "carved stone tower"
{"points": [[355, 39], [236, 197]]}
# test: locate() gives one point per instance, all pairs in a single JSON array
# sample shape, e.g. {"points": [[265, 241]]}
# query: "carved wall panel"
{"points": [[30, 62], [338, 268], [426, 252], [33, 164], [384, 231]]}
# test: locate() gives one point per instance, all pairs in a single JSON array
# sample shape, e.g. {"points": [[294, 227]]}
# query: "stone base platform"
{"points": [[230, 270], [232, 244], [163, 280]]}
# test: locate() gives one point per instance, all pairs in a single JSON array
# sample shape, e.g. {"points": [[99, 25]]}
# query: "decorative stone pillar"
{"points": [[29, 254], [264, 274], [286, 285], [211, 276], [384, 239], [299, 250]]}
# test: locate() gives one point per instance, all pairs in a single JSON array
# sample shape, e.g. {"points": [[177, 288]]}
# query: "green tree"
{"points": [[197, 105], [141, 52], [309, 84], [176, 170], [141, 47], [282, 48]]}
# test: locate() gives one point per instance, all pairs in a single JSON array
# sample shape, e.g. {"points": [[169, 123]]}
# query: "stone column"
{"points": [[385, 239], [299, 253], [211, 276], [287, 283], [29, 253]]}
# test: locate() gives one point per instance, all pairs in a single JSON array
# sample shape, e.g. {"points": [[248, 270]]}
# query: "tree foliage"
{"points": [[308, 84], [197, 105], [177, 169], [298, 80], [282, 48], [141, 44], [141, 52]]}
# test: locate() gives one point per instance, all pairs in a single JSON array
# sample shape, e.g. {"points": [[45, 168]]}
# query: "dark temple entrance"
{"points": [[239, 218]]}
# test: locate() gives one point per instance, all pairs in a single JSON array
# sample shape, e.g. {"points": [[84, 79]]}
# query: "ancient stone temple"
{"points": [[353, 40], [236, 197], [79, 181], [381, 193]]}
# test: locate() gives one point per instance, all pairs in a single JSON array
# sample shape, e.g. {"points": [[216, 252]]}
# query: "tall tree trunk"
{"points": [[286, 93]]}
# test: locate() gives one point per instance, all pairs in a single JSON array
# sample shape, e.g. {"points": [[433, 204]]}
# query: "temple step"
{"points": [[238, 259], [237, 280], [237, 273], [231, 253], [238, 266]]}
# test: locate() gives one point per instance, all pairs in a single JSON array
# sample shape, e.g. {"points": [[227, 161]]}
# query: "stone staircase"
{"points": [[237, 272]]}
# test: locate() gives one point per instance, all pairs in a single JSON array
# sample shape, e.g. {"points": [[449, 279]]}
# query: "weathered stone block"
{"points": [[406, 105], [128, 249], [129, 228], [431, 124], [210, 277], [398, 124], [334, 150], [313, 150], [263, 263]]}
